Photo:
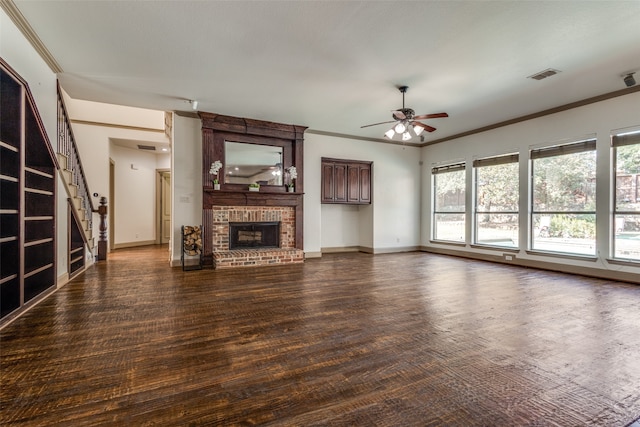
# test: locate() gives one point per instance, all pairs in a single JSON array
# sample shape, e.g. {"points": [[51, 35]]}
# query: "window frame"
{"points": [[503, 159], [556, 150], [442, 170], [617, 141]]}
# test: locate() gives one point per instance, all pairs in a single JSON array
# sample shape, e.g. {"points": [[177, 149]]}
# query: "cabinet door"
{"points": [[365, 183], [353, 183], [340, 179], [327, 183]]}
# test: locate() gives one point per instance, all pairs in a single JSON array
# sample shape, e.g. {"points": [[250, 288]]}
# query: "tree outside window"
{"points": [[563, 208], [449, 203], [496, 201]]}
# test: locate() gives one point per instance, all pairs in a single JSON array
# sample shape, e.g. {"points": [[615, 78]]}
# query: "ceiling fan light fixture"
{"points": [[390, 133], [405, 123]]}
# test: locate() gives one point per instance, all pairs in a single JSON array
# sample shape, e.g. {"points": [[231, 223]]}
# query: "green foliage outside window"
{"points": [[565, 183]]}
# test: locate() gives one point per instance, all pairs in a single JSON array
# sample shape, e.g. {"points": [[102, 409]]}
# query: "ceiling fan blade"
{"points": [[431, 116], [422, 125], [398, 115], [376, 124]]}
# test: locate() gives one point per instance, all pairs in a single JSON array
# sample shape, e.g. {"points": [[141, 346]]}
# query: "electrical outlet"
{"points": [[508, 257]]}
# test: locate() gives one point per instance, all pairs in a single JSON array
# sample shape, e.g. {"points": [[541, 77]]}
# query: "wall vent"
{"points": [[146, 147], [544, 74]]}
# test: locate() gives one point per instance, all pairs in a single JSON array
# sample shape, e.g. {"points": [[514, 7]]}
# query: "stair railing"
{"points": [[67, 146]]}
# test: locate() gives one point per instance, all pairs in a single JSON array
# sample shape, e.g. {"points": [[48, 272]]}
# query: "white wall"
{"points": [[340, 226], [115, 114], [186, 179], [135, 196], [20, 55], [390, 223], [134, 189], [600, 120]]}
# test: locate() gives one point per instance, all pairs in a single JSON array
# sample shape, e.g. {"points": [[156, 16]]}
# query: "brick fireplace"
{"points": [[234, 203], [223, 257]]}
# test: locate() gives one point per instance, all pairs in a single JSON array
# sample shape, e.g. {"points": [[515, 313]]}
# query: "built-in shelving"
{"points": [[76, 244], [28, 203]]}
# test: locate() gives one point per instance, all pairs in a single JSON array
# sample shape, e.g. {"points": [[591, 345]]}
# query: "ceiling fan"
{"points": [[406, 123]]}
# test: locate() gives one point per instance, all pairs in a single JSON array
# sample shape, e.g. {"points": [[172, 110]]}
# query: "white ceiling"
{"points": [[335, 65]]}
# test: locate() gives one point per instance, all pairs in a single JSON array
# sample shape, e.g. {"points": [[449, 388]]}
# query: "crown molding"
{"points": [[542, 113], [20, 21]]}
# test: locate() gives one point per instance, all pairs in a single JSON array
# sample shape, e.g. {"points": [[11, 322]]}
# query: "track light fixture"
{"points": [[629, 80], [194, 105]]}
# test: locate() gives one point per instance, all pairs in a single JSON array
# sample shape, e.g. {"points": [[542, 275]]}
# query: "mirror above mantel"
{"points": [[261, 151], [253, 163]]}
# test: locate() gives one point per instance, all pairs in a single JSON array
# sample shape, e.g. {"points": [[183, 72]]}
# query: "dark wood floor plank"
{"points": [[350, 339]]}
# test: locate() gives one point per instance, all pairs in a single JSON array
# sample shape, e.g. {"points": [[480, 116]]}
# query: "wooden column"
{"points": [[102, 241]]}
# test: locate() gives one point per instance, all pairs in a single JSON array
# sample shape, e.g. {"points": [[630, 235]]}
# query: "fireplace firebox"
{"points": [[244, 235]]}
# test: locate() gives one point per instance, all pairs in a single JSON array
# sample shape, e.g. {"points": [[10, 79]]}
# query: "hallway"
{"points": [[409, 339]]}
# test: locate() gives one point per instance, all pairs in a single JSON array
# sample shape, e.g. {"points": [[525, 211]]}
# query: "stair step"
{"points": [[77, 202], [73, 190], [66, 175], [62, 161]]}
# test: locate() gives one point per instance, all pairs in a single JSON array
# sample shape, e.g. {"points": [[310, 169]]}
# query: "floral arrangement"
{"points": [[215, 168], [293, 174]]}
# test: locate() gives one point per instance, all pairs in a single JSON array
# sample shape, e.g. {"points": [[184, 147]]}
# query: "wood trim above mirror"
{"points": [[216, 129]]}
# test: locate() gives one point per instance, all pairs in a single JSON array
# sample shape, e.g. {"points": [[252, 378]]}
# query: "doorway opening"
{"points": [[163, 207]]}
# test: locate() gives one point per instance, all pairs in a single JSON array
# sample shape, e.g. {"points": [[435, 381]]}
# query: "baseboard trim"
{"points": [[395, 250], [133, 244], [580, 270], [369, 250], [312, 255], [339, 249]]}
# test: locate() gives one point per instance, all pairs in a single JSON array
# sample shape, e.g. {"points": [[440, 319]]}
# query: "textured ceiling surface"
{"points": [[335, 65]]}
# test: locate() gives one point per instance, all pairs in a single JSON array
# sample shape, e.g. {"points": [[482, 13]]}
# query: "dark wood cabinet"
{"points": [[346, 181], [28, 203]]}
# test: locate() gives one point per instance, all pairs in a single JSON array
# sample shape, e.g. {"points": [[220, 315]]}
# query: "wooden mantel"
{"points": [[216, 129]]}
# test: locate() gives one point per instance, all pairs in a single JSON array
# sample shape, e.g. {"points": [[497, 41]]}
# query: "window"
{"points": [[563, 215], [496, 201], [449, 203], [626, 238]]}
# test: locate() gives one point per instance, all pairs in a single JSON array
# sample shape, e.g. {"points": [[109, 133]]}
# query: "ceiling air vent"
{"points": [[544, 74], [146, 147]]}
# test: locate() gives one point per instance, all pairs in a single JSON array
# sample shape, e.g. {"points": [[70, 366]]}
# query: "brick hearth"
{"points": [[224, 258]]}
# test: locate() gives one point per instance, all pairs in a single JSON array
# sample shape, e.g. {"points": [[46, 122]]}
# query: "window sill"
{"points": [[448, 242], [565, 256], [495, 248], [620, 261]]}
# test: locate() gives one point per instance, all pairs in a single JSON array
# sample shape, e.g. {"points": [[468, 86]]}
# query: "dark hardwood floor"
{"points": [[346, 340]]}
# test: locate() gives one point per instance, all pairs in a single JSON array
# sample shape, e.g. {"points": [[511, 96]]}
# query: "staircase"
{"points": [[75, 180]]}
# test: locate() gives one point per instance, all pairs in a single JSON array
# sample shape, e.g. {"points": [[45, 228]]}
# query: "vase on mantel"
{"points": [[216, 186], [291, 189]]}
